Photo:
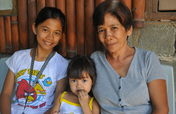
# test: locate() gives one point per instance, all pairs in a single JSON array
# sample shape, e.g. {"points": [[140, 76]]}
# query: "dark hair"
{"points": [[115, 8], [50, 13], [80, 64]]}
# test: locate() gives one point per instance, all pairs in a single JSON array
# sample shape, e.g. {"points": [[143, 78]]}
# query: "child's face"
{"points": [[48, 33], [77, 85]]}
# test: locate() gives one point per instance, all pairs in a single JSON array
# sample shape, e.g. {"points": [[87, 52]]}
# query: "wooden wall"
{"points": [[80, 35]]}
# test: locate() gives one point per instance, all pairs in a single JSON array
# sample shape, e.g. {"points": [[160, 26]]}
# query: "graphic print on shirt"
{"points": [[47, 81], [22, 91], [37, 93]]}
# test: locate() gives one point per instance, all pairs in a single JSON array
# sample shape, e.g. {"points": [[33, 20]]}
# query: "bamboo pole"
{"points": [[90, 30], [2, 36], [128, 3], [50, 3], [80, 27], [15, 34], [8, 34], [138, 13], [71, 28], [31, 17], [61, 5], [63, 46], [23, 23], [98, 2], [40, 5]]}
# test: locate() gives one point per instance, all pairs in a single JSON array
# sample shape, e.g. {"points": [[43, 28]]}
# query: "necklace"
{"points": [[38, 75]]}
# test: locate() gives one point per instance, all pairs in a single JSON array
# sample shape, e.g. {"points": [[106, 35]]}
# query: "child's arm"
{"points": [[5, 97], [56, 106]]}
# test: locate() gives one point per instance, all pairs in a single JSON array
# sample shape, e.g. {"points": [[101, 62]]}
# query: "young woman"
{"points": [[38, 74], [129, 80], [81, 74]]}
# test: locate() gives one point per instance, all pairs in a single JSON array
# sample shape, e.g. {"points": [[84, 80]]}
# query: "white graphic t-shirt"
{"points": [[42, 94]]}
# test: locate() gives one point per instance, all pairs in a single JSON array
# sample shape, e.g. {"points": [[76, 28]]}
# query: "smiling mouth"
{"points": [[47, 43], [110, 44]]}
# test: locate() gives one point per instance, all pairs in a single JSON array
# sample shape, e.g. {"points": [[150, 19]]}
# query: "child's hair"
{"points": [[50, 13], [80, 64]]}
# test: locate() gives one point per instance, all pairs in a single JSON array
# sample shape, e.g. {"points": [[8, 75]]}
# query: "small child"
{"points": [[81, 74]]}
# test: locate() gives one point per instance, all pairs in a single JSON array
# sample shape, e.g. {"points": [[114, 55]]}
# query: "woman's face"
{"points": [[48, 33], [112, 34]]}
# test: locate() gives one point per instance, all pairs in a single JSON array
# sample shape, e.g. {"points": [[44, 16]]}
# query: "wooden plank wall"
{"points": [[79, 37]]}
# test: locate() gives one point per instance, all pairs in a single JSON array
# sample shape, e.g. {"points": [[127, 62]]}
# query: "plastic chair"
{"points": [[3, 73], [168, 70]]}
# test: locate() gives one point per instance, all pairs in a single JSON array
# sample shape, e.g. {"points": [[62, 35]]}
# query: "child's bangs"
{"points": [[78, 74]]}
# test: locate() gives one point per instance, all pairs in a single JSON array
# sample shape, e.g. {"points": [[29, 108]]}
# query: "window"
{"points": [[8, 7], [167, 5], [152, 11]]}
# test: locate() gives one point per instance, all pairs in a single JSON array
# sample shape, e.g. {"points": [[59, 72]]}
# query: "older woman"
{"points": [[129, 80]]}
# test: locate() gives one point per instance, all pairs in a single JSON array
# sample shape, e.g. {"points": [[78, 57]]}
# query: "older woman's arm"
{"points": [[158, 95]]}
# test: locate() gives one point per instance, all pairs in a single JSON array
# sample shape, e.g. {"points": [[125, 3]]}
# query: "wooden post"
{"points": [[23, 23], [80, 27], [128, 3], [90, 30], [98, 2], [8, 34], [71, 28], [31, 17], [138, 13], [63, 45], [15, 34], [50, 3], [2, 36], [40, 5]]}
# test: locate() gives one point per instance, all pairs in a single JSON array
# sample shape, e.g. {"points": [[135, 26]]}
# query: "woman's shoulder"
{"points": [[146, 56], [21, 54], [59, 58], [24, 51], [142, 52]]}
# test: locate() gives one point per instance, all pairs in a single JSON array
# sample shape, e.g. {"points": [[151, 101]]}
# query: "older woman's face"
{"points": [[112, 34]]}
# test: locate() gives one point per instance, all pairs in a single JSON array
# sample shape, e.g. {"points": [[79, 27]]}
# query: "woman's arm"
{"points": [[60, 88], [158, 95], [5, 98]]}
